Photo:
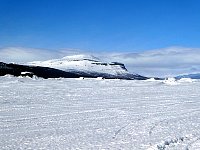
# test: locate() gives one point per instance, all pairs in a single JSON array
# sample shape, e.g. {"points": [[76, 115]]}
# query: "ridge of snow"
{"points": [[80, 57]]}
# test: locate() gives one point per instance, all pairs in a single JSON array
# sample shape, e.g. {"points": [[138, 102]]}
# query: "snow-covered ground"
{"points": [[99, 114]]}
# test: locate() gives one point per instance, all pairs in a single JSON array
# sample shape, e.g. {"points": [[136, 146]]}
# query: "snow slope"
{"points": [[98, 114], [84, 63]]}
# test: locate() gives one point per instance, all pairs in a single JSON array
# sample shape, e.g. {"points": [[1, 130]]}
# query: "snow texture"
{"points": [[95, 114]]}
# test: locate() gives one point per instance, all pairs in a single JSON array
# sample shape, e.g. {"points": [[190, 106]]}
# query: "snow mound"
{"points": [[170, 81], [80, 78], [186, 80], [99, 78], [151, 79]]}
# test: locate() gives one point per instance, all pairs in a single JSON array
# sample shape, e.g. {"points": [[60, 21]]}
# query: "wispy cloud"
{"points": [[161, 62], [20, 55], [23, 55]]}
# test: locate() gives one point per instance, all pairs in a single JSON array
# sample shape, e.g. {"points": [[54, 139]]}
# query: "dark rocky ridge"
{"points": [[46, 72]]}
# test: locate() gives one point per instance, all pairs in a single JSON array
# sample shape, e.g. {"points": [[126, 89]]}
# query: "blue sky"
{"points": [[100, 25], [151, 37]]}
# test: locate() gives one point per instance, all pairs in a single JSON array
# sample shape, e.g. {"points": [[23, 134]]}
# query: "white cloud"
{"points": [[23, 55], [161, 62], [20, 55]]}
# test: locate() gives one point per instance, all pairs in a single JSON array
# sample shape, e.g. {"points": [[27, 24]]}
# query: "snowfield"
{"points": [[99, 114]]}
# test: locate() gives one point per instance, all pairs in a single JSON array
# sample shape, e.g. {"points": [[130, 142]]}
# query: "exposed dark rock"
{"points": [[46, 72]]}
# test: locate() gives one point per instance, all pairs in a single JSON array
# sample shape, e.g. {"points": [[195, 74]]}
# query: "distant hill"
{"points": [[87, 65], [192, 76], [71, 67]]}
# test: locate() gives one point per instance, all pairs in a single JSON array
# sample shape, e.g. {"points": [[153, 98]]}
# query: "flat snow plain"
{"points": [[99, 114]]}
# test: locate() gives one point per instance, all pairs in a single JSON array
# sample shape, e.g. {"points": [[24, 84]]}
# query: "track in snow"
{"points": [[98, 114]]}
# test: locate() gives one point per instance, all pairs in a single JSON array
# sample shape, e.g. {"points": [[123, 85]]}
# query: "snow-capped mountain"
{"points": [[192, 76], [83, 63], [70, 67], [88, 65]]}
